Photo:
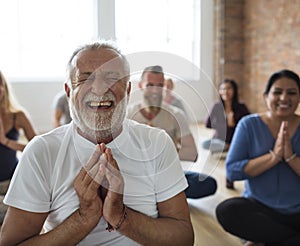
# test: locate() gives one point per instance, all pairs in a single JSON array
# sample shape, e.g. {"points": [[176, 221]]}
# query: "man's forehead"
{"points": [[153, 77], [102, 59]]}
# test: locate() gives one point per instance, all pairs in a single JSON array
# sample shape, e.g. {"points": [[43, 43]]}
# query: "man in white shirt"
{"points": [[103, 179]]}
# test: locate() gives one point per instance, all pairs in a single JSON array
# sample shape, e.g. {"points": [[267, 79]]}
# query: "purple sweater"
{"points": [[217, 120]]}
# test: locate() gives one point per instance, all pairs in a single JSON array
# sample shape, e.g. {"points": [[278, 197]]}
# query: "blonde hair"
{"points": [[8, 102]]}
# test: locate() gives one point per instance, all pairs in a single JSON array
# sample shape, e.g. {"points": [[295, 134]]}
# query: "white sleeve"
{"points": [[170, 178], [30, 186]]}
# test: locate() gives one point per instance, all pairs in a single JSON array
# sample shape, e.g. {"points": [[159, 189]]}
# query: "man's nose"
{"points": [[156, 89], [100, 87]]}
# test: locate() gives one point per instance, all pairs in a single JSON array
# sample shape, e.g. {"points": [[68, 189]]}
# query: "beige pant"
{"points": [[3, 188]]}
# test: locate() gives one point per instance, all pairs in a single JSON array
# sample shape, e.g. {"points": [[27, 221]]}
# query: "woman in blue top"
{"points": [[265, 152], [12, 120]]}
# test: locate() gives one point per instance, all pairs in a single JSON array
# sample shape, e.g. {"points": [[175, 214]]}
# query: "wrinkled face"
{"points": [[226, 91], [152, 85], [98, 97], [283, 97]]}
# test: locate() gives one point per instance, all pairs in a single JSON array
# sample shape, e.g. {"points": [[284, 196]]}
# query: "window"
{"points": [[38, 37], [171, 26]]}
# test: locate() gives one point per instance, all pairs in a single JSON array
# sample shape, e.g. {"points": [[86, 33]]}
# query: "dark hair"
{"points": [[282, 74], [153, 69], [235, 98]]}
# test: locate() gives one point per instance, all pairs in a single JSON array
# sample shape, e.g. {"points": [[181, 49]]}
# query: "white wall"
{"points": [[37, 97]]}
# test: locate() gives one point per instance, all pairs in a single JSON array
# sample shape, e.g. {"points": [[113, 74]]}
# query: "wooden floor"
{"points": [[207, 230]]}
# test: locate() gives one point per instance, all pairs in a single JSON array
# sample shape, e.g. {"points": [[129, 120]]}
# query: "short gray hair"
{"points": [[103, 44]]}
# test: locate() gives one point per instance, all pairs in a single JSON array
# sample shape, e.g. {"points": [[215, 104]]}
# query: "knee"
{"points": [[213, 184], [206, 144], [227, 212]]}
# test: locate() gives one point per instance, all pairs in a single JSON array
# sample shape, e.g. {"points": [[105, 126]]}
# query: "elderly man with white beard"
{"points": [[102, 179]]}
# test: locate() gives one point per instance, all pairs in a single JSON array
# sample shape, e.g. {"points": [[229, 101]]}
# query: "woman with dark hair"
{"points": [[224, 117], [265, 153]]}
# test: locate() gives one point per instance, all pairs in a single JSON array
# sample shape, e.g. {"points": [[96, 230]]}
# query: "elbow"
{"points": [[190, 240], [187, 238], [229, 175], [195, 156]]}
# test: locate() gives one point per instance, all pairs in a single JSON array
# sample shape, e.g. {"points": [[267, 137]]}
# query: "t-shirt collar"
{"points": [[85, 148]]}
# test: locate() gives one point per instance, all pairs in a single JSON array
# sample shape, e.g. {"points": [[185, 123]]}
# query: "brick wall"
{"points": [[254, 38]]}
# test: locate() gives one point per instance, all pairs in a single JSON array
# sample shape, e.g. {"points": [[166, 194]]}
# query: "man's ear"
{"points": [[140, 85], [67, 90], [128, 88]]}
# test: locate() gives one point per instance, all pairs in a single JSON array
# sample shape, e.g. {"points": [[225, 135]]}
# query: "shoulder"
{"points": [[60, 98], [21, 117], [251, 119], [172, 109], [217, 106], [54, 136], [174, 113], [139, 132], [141, 129]]}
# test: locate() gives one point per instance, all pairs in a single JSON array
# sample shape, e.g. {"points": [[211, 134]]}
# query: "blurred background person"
{"points": [[169, 97], [224, 117], [13, 119], [61, 114]]}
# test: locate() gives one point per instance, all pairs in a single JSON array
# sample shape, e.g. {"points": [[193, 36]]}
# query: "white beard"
{"points": [[99, 125]]}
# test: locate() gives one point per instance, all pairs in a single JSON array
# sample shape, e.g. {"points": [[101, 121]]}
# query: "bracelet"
{"points": [[290, 158], [121, 221], [123, 217], [275, 156]]}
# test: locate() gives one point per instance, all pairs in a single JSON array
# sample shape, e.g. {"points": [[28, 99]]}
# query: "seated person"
{"points": [[169, 97], [61, 114], [265, 152], [153, 112], [90, 182], [224, 117], [13, 120]]}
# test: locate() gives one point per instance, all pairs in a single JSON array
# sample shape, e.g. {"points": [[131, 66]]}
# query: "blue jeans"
{"points": [[214, 145], [200, 185]]}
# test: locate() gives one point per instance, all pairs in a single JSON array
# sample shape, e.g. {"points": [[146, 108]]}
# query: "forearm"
{"points": [[295, 165], [15, 145], [157, 231], [260, 164], [70, 232]]}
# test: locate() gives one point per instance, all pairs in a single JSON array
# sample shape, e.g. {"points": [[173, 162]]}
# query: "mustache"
{"points": [[108, 96]]}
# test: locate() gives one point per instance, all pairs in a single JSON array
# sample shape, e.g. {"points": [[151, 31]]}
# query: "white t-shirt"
{"points": [[43, 180]]}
